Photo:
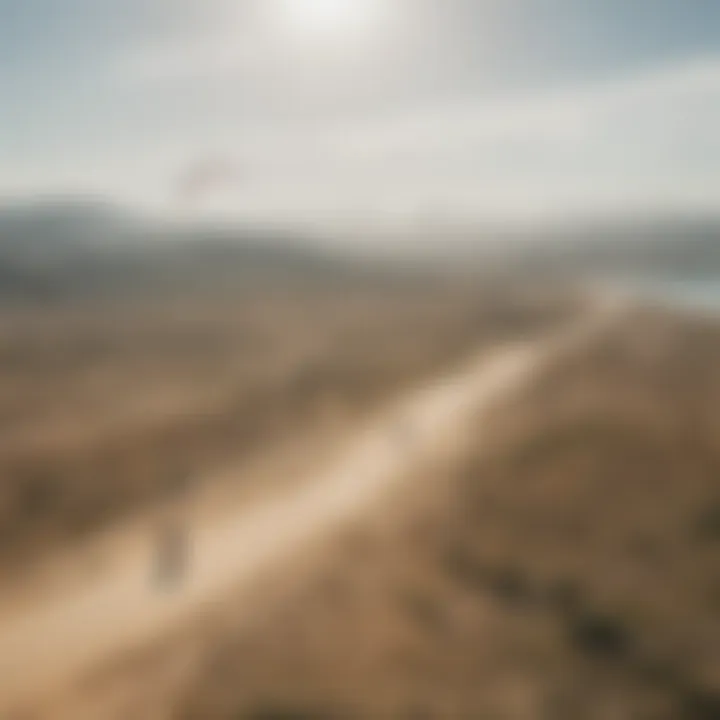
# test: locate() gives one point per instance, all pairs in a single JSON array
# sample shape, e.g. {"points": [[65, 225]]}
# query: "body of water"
{"points": [[702, 295]]}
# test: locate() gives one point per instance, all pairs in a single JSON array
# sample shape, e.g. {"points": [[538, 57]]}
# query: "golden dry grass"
{"points": [[100, 406], [570, 572]]}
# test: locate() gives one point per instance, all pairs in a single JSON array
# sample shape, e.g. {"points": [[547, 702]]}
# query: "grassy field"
{"points": [[570, 570], [101, 405]]}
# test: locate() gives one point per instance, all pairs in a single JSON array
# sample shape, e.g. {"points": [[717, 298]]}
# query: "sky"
{"points": [[391, 111]]}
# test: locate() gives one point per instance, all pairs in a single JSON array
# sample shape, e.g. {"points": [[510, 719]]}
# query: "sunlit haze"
{"points": [[388, 111], [359, 359], [336, 19]]}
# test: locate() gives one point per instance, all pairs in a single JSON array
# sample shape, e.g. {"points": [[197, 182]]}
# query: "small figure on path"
{"points": [[173, 542]]}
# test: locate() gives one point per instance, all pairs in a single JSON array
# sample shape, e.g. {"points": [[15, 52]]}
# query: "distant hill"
{"points": [[669, 247], [68, 246]]}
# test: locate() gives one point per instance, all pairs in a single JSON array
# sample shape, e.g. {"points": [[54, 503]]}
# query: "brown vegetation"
{"points": [[572, 571], [100, 406]]}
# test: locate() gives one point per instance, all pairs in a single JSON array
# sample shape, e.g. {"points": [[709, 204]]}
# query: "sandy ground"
{"points": [[54, 639]]}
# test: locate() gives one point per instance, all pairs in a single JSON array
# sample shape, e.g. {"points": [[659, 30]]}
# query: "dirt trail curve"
{"points": [[53, 640]]}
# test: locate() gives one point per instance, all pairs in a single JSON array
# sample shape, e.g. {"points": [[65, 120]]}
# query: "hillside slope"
{"points": [[570, 571]]}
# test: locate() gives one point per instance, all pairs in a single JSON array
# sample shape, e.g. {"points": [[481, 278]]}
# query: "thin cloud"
{"points": [[643, 140]]}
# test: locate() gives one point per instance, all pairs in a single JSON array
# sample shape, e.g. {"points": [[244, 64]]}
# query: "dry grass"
{"points": [[572, 572], [101, 406]]}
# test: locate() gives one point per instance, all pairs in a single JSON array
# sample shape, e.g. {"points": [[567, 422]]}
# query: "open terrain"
{"points": [[563, 564], [102, 405], [254, 396], [429, 502]]}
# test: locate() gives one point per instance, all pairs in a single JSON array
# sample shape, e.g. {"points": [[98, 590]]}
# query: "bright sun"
{"points": [[332, 18]]}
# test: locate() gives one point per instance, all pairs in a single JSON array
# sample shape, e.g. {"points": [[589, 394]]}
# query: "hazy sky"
{"points": [[380, 108]]}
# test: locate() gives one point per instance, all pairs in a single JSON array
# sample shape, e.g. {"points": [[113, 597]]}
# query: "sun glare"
{"points": [[330, 18]]}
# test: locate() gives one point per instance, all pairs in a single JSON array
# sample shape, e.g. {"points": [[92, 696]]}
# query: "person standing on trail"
{"points": [[173, 545]]}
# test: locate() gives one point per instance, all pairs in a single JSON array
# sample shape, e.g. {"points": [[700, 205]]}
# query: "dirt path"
{"points": [[52, 641]]}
